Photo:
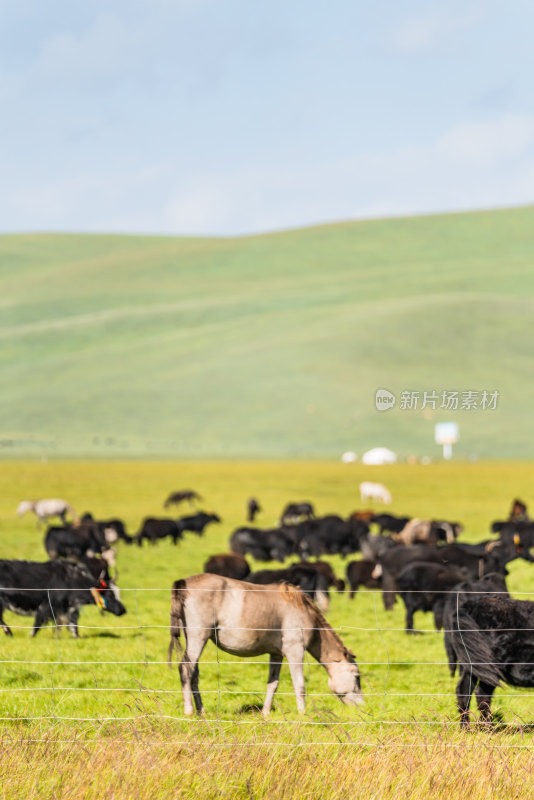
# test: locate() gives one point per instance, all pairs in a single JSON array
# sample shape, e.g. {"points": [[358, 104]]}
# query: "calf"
{"points": [[229, 565], [425, 587], [54, 590], [154, 528]]}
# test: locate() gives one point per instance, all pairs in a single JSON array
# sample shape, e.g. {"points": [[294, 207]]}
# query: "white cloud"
{"points": [[424, 33], [470, 165], [474, 165], [488, 142]]}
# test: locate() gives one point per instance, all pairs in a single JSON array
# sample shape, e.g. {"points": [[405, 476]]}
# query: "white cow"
{"points": [[43, 509], [375, 491]]}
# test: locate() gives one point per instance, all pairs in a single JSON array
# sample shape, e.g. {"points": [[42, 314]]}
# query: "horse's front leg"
{"points": [[189, 676], [275, 665], [295, 659]]}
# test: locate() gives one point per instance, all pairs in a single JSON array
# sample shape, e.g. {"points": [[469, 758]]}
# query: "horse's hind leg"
{"points": [[275, 666], [295, 658], [189, 675]]}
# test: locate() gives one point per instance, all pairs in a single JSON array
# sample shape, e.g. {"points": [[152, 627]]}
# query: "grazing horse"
{"points": [[248, 620], [44, 509]]}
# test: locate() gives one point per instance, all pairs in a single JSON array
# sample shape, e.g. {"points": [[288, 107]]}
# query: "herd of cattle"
{"points": [[81, 557], [488, 635]]}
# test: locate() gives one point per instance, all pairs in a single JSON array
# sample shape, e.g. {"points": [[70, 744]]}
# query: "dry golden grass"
{"points": [[67, 764]]}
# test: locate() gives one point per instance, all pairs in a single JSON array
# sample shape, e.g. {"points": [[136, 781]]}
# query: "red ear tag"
{"points": [[99, 600]]}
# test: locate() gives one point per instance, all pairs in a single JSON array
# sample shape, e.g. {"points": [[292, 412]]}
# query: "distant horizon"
{"points": [[274, 232]]}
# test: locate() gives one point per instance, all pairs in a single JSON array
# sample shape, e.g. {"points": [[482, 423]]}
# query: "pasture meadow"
{"points": [[267, 346], [106, 711]]}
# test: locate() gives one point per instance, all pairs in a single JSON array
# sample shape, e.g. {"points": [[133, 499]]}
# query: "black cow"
{"points": [[360, 573], [520, 534], [295, 512], [332, 535], [75, 541], [253, 508], [311, 581], [492, 640], [178, 497], [197, 522], [325, 569], [109, 527], [98, 567], [446, 531], [374, 547], [425, 587], [271, 544], [53, 590], [229, 565], [154, 528], [491, 585], [389, 522], [476, 559]]}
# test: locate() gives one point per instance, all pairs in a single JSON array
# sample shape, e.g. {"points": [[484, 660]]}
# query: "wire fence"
{"points": [[381, 688]]}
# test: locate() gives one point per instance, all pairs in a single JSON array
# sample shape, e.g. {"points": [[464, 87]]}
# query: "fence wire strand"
{"points": [[380, 722]]}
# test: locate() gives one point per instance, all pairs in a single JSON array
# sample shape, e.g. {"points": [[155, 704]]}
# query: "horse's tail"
{"points": [[472, 648], [178, 597]]}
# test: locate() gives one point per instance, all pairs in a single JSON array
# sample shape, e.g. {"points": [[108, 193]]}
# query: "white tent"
{"points": [[379, 455]]}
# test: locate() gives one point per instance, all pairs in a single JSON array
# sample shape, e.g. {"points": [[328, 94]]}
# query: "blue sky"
{"points": [[205, 117]]}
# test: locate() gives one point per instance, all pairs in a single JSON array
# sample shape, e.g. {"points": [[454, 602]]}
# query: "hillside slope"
{"points": [[268, 346]]}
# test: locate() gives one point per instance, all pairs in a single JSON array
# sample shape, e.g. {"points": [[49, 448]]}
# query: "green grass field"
{"points": [[108, 702], [268, 346]]}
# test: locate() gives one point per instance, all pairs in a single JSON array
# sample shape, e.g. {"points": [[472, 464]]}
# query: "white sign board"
{"points": [[446, 433]]}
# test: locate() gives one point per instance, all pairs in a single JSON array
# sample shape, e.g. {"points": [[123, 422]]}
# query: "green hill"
{"points": [[268, 346]]}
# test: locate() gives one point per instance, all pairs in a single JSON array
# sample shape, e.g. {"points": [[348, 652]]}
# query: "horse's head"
{"points": [[344, 679]]}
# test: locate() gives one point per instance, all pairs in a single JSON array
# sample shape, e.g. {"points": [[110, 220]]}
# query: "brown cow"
{"points": [[229, 565]]}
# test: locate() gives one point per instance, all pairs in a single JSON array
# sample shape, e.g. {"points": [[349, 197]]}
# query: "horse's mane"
{"points": [[292, 594]]}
